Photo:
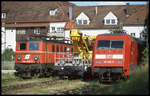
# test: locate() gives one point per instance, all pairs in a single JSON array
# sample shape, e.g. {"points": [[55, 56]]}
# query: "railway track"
{"points": [[29, 85], [8, 71]]}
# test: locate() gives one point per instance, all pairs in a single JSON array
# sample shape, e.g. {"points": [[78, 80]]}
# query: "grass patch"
{"points": [[136, 84], [8, 68], [11, 79]]}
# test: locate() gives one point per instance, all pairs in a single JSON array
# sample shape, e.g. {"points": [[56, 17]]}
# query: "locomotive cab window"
{"points": [[110, 44], [22, 46], [117, 44], [33, 46], [103, 44]]}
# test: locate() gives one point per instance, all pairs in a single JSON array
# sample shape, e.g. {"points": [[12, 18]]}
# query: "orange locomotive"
{"points": [[114, 56], [38, 57]]}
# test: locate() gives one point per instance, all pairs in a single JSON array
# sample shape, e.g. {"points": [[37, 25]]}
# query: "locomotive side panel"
{"points": [[134, 57]]}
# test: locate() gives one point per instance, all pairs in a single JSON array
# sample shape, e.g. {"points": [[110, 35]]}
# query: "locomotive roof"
{"points": [[53, 41], [111, 34], [119, 34]]}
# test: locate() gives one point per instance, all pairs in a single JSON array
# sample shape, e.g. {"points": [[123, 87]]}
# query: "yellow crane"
{"points": [[82, 46], [79, 64]]}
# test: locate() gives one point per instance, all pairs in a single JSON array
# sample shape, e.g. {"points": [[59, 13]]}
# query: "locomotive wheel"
{"points": [[100, 78], [125, 78]]}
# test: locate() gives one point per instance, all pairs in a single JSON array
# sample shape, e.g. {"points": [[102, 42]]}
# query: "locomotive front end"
{"points": [[108, 58], [28, 58]]}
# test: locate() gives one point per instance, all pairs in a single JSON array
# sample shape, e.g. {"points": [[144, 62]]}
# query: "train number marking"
{"points": [[109, 56]]}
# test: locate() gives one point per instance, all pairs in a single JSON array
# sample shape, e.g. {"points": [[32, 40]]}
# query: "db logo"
{"points": [[108, 56], [27, 56]]}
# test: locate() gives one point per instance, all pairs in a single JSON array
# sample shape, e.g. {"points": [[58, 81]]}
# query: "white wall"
{"points": [[129, 29], [89, 32], [134, 29], [56, 25], [11, 39], [94, 32], [56, 32], [67, 34], [2, 39]]}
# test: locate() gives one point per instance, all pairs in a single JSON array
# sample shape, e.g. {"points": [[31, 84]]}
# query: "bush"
{"points": [[145, 54], [8, 55]]}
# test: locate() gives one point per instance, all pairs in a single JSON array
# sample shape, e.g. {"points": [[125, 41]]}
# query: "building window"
{"points": [[107, 21], [113, 21], [20, 31], [51, 12], [36, 30], [133, 34], [53, 29], [110, 21], [84, 21], [79, 21], [60, 29], [3, 15]]}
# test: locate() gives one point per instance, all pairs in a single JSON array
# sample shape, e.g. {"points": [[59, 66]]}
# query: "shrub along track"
{"points": [[29, 85]]}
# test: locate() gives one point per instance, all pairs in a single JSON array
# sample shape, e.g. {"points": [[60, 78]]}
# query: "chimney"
{"points": [[70, 12], [96, 9], [127, 9]]}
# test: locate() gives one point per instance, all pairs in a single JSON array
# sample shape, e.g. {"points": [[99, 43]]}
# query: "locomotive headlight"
{"points": [[19, 58], [35, 58]]}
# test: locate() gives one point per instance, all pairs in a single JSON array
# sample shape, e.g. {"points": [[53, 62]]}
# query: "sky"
{"points": [[93, 3]]}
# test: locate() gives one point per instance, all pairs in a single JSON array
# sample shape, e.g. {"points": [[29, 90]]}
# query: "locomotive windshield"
{"points": [[117, 44], [110, 44], [33, 46], [22, 46]]}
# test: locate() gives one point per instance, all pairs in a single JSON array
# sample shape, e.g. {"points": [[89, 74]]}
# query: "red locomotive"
{"points": [[114, 56], [38, 57]]}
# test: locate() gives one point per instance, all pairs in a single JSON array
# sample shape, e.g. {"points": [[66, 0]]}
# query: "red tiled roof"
{"points": [[69, 24], [38, 12], [97, 21], [29, 11], [137, 18], [25, 25]]}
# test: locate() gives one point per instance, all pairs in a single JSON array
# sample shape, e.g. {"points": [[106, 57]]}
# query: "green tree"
{"points": [[8, 55]]}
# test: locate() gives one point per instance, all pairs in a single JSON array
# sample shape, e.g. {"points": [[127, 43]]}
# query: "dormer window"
{"points": [[3, 15], [82, 19], [37, 31], [79, 21], [82, 22], [110, 19], [113, 21], [52, 12]]}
